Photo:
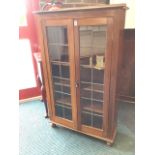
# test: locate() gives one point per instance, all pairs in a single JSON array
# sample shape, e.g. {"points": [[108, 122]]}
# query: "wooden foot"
{"points": [[53, 125], [109, 144], [46, 116]]}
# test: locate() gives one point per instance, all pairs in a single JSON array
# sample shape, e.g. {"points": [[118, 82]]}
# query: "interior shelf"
{"points": [[64, 106], [62, 82], [96, 88], [93, 99], [95, 108], [61, 92], [92, 67], [61, 78], [92, 55], [93, 47], [65, 101], [92, 114], [60, 63], [98, 84]]}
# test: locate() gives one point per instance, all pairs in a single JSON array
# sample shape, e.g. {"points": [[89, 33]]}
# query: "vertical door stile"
{"points": [[107, 75], [77, 78], [73, 70]]}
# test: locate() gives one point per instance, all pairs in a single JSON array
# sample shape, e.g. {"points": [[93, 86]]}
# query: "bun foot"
{"points": [[109, 144], [53, 125], [46, 116]]}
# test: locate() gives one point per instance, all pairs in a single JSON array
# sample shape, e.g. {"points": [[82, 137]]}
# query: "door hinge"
{"points": [[75, 22]]}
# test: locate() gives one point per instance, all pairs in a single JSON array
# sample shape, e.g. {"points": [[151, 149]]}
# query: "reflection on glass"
{"points": [[92, 64], [59, 58], [58, 43]]}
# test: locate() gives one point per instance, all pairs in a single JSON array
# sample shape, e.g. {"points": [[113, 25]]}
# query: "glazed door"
{"points": [[93, 70], [61, 70]]}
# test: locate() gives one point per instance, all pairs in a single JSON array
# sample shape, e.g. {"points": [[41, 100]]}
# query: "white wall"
{"points": [[130, 13]]}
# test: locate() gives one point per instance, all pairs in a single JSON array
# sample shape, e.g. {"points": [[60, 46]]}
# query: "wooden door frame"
{"points": [[46, 64], [85, 22]]}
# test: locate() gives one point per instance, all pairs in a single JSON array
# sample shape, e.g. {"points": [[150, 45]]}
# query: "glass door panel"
{"points": [[57, 40], [92, 64]]}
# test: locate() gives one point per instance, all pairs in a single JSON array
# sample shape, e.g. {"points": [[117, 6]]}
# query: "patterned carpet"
{"points": [[37, 137]]}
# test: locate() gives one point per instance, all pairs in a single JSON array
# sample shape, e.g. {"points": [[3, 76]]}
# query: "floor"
{"points": [[37, 137]]}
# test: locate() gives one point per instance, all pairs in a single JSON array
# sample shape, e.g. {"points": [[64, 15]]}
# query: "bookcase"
{"points": [[80, 49]]}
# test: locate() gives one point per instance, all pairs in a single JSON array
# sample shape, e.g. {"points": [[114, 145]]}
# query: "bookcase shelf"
{"points": [[96, 88], [92, 67], [65, 101], [80, 52], [95, 108], [60, 63]]}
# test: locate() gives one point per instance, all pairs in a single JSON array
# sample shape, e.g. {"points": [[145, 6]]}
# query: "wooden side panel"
{"points": [[126, 81], [107, 79], [117, 48]]}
